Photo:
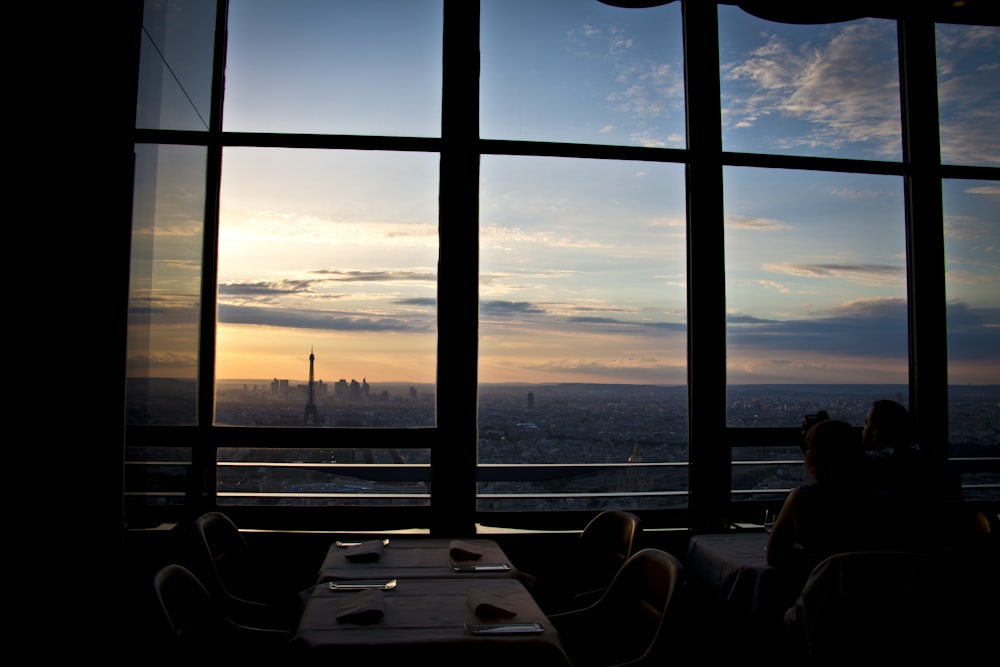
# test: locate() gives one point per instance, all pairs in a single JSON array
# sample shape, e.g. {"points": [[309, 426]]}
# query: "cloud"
{"points": [[562, 317], [140, 364], [427, 302], [610, 324], [968, 94], [973, 333], [617, 370], [864, 328], [164, 310], [988, 190], [264, 289], [748, 223], [507, 308], [381, 276], [869, 327], [870, 274], [646, 89], [781, 287], [846, 90], [326, 320]]}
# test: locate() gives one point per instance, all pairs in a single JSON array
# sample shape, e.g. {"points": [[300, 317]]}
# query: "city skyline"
{"points": [[582, 262]]}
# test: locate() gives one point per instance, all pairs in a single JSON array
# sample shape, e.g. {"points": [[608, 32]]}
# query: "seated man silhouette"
{"points": [[927, 494]]}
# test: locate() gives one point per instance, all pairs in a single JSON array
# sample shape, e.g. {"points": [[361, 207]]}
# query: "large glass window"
{"points": [[296, 67], [570, 300], [816, 290], [327, 273], [819, 90], [582, 329], [972, 239], [969, 93], [815, 262], [165, 285], [175, 66], [582, 353], [582, 72]]}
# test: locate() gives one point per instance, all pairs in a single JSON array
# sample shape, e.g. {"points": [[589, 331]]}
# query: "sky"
{"points": [[582, 262]]}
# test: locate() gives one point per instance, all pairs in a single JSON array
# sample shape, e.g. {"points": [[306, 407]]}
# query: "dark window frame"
{"points": [[452, 509]]}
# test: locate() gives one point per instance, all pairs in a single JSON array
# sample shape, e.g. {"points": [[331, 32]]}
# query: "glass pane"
{"points": [[582, 348], [165, 284], [817, 90], [816, 294], [327, 274], [361, 477], [175, 65], [767, 473], [582, 72], [972, 274], [154, 477], [334, 66], [969, 94]]}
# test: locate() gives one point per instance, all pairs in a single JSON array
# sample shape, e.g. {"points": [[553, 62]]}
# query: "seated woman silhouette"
{"points": [[841, 510]]}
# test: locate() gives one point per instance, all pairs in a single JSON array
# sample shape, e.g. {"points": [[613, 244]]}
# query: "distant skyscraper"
{"points": [[311, 395], [531, 400]]}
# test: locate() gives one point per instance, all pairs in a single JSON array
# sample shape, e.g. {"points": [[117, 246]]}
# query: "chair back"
{"points": [[606, 543], [636, 621], [854, 590], [920, 605], [199, 628], [244, 587]]}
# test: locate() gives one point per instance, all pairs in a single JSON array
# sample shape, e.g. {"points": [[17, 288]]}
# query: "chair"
{"points": [[245, 587], [605, 543], [201, 630], [637, 621], [882, 607]]}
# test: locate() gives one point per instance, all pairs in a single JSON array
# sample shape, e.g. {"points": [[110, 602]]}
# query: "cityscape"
{"points": [[621, 444]]}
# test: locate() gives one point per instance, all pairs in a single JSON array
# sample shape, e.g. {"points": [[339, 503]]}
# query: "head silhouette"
{"points": [[887, 426], [834, 453]]}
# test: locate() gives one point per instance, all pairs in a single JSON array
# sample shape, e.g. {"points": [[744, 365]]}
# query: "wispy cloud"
{"points": [[749, 223], [872, 274], [969, 93], [316, 319], [846, 89]]}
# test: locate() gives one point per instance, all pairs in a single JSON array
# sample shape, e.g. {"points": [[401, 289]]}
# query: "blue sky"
{"points": [[583, 262]]}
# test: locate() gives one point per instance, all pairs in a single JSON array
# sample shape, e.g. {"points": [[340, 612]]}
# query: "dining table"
{"points": [[487, 622], [731, 567], [417, 558]]}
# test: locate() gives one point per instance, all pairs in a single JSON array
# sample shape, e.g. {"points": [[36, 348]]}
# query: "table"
{"points": [[415, 558], [424, 623], [732, 567]]}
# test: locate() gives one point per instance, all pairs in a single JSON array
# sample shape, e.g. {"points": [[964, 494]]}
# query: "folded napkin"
{"points": [[364, 606], [366, 552], [462, 550], [491, 604]]}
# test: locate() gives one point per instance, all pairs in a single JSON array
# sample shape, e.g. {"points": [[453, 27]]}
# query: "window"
{"points": [[580, 257]]}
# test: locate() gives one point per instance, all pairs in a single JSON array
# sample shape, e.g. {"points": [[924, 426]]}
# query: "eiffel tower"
{"points": [[311, 398]]}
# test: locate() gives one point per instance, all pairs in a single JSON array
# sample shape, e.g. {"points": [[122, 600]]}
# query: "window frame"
{"points": [[454, 471]]}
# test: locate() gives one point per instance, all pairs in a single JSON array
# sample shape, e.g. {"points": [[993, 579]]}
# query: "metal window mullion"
{"points": [[453, 468], [204, 451], [924, 212], [709, 472]]}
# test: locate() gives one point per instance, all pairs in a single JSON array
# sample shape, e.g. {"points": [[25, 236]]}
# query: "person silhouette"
{"points": [[925, 491], [840, 510]]}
